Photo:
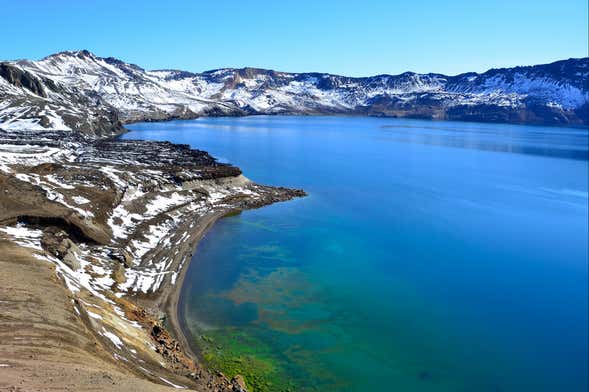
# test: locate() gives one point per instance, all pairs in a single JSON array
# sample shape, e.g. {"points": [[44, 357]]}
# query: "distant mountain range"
{"points": [[77, 90]]}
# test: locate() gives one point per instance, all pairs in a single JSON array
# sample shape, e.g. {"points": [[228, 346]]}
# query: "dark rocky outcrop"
{"points": [[20, 78]]}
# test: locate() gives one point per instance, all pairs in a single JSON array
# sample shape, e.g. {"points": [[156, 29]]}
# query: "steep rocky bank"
{"points": [[95, 236]]}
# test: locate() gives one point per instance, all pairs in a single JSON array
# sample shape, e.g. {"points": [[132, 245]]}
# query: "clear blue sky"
{"points": [[355, 38]]}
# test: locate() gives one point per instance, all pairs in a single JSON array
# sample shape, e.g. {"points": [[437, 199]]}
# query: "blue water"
{"points": [[428, 256]]}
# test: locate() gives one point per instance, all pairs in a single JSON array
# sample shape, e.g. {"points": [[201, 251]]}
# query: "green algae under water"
{"points": [[429, 256]]}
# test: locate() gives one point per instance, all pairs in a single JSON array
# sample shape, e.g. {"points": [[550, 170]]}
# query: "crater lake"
{"points": [[427, 256]]}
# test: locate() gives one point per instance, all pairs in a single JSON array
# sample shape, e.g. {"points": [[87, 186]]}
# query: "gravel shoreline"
{"points": [[170, 301]]}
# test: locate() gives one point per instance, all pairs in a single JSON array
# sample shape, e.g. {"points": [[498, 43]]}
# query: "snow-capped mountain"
{"points": [[80, 91], [32, 102]]}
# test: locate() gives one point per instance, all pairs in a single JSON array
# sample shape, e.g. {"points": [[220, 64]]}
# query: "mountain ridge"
{"points": [[90, 53], [77, 90]]}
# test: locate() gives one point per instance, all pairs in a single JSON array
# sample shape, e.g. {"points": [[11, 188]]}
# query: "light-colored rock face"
{"points": [[81, 91]]}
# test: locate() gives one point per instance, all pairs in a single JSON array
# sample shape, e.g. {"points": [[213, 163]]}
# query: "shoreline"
{"points": [[169, 298], [127, 130], [172, 294]]}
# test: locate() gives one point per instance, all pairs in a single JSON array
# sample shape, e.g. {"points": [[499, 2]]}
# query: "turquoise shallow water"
{"points": [[429, 256]]}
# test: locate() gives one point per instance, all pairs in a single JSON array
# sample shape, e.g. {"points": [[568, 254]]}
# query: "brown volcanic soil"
{"points": [[43, 346]]}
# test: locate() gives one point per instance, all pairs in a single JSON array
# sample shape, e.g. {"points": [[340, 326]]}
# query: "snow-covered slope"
{"points": [[136, 93], [33, 102], [78, 87]]}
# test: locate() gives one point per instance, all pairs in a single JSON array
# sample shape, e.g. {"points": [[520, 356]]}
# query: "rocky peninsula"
{"points": [[95, 237]]}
